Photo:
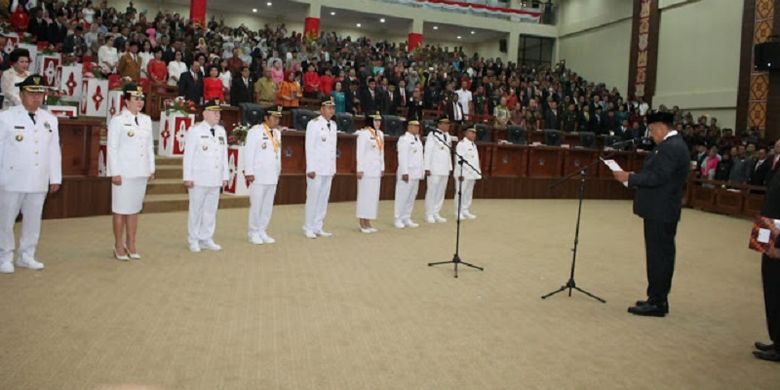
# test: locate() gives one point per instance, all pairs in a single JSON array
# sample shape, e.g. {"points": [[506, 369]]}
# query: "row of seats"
{"points": [[253, 114]]}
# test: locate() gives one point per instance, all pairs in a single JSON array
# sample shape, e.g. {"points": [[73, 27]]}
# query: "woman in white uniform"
{"points": [[19, 71], [370, 150], [131, 166]]}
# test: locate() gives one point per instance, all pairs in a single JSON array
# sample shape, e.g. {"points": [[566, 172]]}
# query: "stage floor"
{"points": [[359, 311]]}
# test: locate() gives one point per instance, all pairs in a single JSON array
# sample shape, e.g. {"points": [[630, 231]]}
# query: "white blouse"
{"points": [[175, 69]]}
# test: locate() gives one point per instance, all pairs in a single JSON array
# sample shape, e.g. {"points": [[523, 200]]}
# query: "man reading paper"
{"points": [[658, 199]]}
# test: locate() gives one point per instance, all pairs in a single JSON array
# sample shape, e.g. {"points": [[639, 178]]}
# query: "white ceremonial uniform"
{"points": [[30, 160], [206, 165], [410, 162], [321, 138], [263, 160], [130, 152], [370, 149], [469, 151], [438, 160]]}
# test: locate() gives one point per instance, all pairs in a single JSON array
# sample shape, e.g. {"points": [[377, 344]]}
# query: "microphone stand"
{"points": [[582, 172], [461, 161]]}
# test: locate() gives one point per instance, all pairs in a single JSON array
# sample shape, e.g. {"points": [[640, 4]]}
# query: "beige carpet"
{"points": [[365, 312]]}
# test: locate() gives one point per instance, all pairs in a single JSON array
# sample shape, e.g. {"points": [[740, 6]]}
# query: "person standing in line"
{"points": [[370, 149], [30, 167], [468, 149], [409, 174], [262, 168], [131, 167], [321, 138], [205, 173], [438, 165]]}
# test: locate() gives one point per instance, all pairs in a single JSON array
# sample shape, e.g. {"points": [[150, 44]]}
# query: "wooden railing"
{"points": [[739, 200]]}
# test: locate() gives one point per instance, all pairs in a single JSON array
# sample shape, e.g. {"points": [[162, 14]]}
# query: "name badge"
{"points": [[221, 140], [47, 126], [20, 128]]}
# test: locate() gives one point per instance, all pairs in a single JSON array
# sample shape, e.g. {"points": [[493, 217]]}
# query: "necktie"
{"points": [[328, 126], [212, 131], [136, 120], [32, 116]]}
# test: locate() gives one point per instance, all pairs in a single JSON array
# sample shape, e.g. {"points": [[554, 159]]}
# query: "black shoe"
{"points": [[772, 356], [642, 303], [650, 309], [764, 347]]}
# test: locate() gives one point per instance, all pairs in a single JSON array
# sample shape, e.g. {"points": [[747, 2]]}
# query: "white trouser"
{"points": [[405, 194], [202, 218], [261, 205], [434, 194], [31, 206], [317, 194], [468, 194]]}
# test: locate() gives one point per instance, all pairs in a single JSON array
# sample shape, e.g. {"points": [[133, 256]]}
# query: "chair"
{"points": [[588, 139], [552, 137], [392, 125], [516, 135], [484, 132], [251, 114], [301, 118], [344, 122]]}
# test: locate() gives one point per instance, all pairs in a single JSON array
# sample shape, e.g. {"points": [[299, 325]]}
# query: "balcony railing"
{"points": [[487, 8]]}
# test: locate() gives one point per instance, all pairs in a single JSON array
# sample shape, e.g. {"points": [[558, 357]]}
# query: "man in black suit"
{"points": [[371, 99], [58, 30], [242, 89], [552, 118], [760, 168], [770, 275], [392, 100], [38, 26], [658, 199], [191, 83]]}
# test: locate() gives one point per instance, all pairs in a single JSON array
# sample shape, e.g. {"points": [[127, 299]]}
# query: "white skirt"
{"points": [[368, 197], [128, 198]]}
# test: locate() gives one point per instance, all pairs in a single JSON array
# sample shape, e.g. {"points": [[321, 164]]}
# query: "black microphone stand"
{"points": [[461, 161], [582, 172]]}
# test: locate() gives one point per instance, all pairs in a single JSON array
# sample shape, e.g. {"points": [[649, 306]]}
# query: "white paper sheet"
{"points": [[614, 167], [763, 236]]}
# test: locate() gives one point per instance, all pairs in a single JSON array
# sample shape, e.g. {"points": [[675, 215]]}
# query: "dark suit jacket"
{"points": [[240, 93], [40, 30], [760, 171], [168, 55], [552, 121], [415, 108], [391, 105], [771, 207], [369, 104], [189, 88], [659, 186], [57, 33]]}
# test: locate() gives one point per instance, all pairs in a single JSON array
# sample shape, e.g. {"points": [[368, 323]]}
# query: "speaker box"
{"points": [[766, 56]]}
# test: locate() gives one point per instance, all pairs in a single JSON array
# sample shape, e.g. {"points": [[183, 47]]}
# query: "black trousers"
{"points": [[770, 276], [659, 251]]}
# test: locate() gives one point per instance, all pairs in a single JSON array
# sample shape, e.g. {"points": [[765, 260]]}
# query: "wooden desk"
{"points": [[509, 161], [80, 144], [545, 161], [156, 98], [576, 159]]}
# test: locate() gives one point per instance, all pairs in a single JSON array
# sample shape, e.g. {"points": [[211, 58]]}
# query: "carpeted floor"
{"points": [[365, 311]]}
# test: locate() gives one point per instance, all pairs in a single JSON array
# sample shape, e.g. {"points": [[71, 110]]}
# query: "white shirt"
{"points": [[175, 69], [108, 55], [263, 159], [321, 146], [130, 145], [10, 90], [205, 155], [226, 77], [470, 154], [30, 157], [370, 152], [410, 157], [464, 98], [145, 58], [438, 158]]}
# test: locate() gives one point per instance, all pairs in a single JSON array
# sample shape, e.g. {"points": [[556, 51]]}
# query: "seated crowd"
{"points": [[273, 66]]}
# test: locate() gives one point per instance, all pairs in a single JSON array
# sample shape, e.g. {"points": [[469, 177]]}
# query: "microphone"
{"points": [[615, 145]]}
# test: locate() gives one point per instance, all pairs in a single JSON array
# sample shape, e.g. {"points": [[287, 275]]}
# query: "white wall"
{"points": [[698, 57], [595, 39]]}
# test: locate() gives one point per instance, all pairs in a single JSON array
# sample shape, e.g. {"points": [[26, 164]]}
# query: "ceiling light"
{"points": [[254, 10], [382, 20], [357, 25], [473, 32], [435, 27], [459, 37], [269, 3], [332, 13]]}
